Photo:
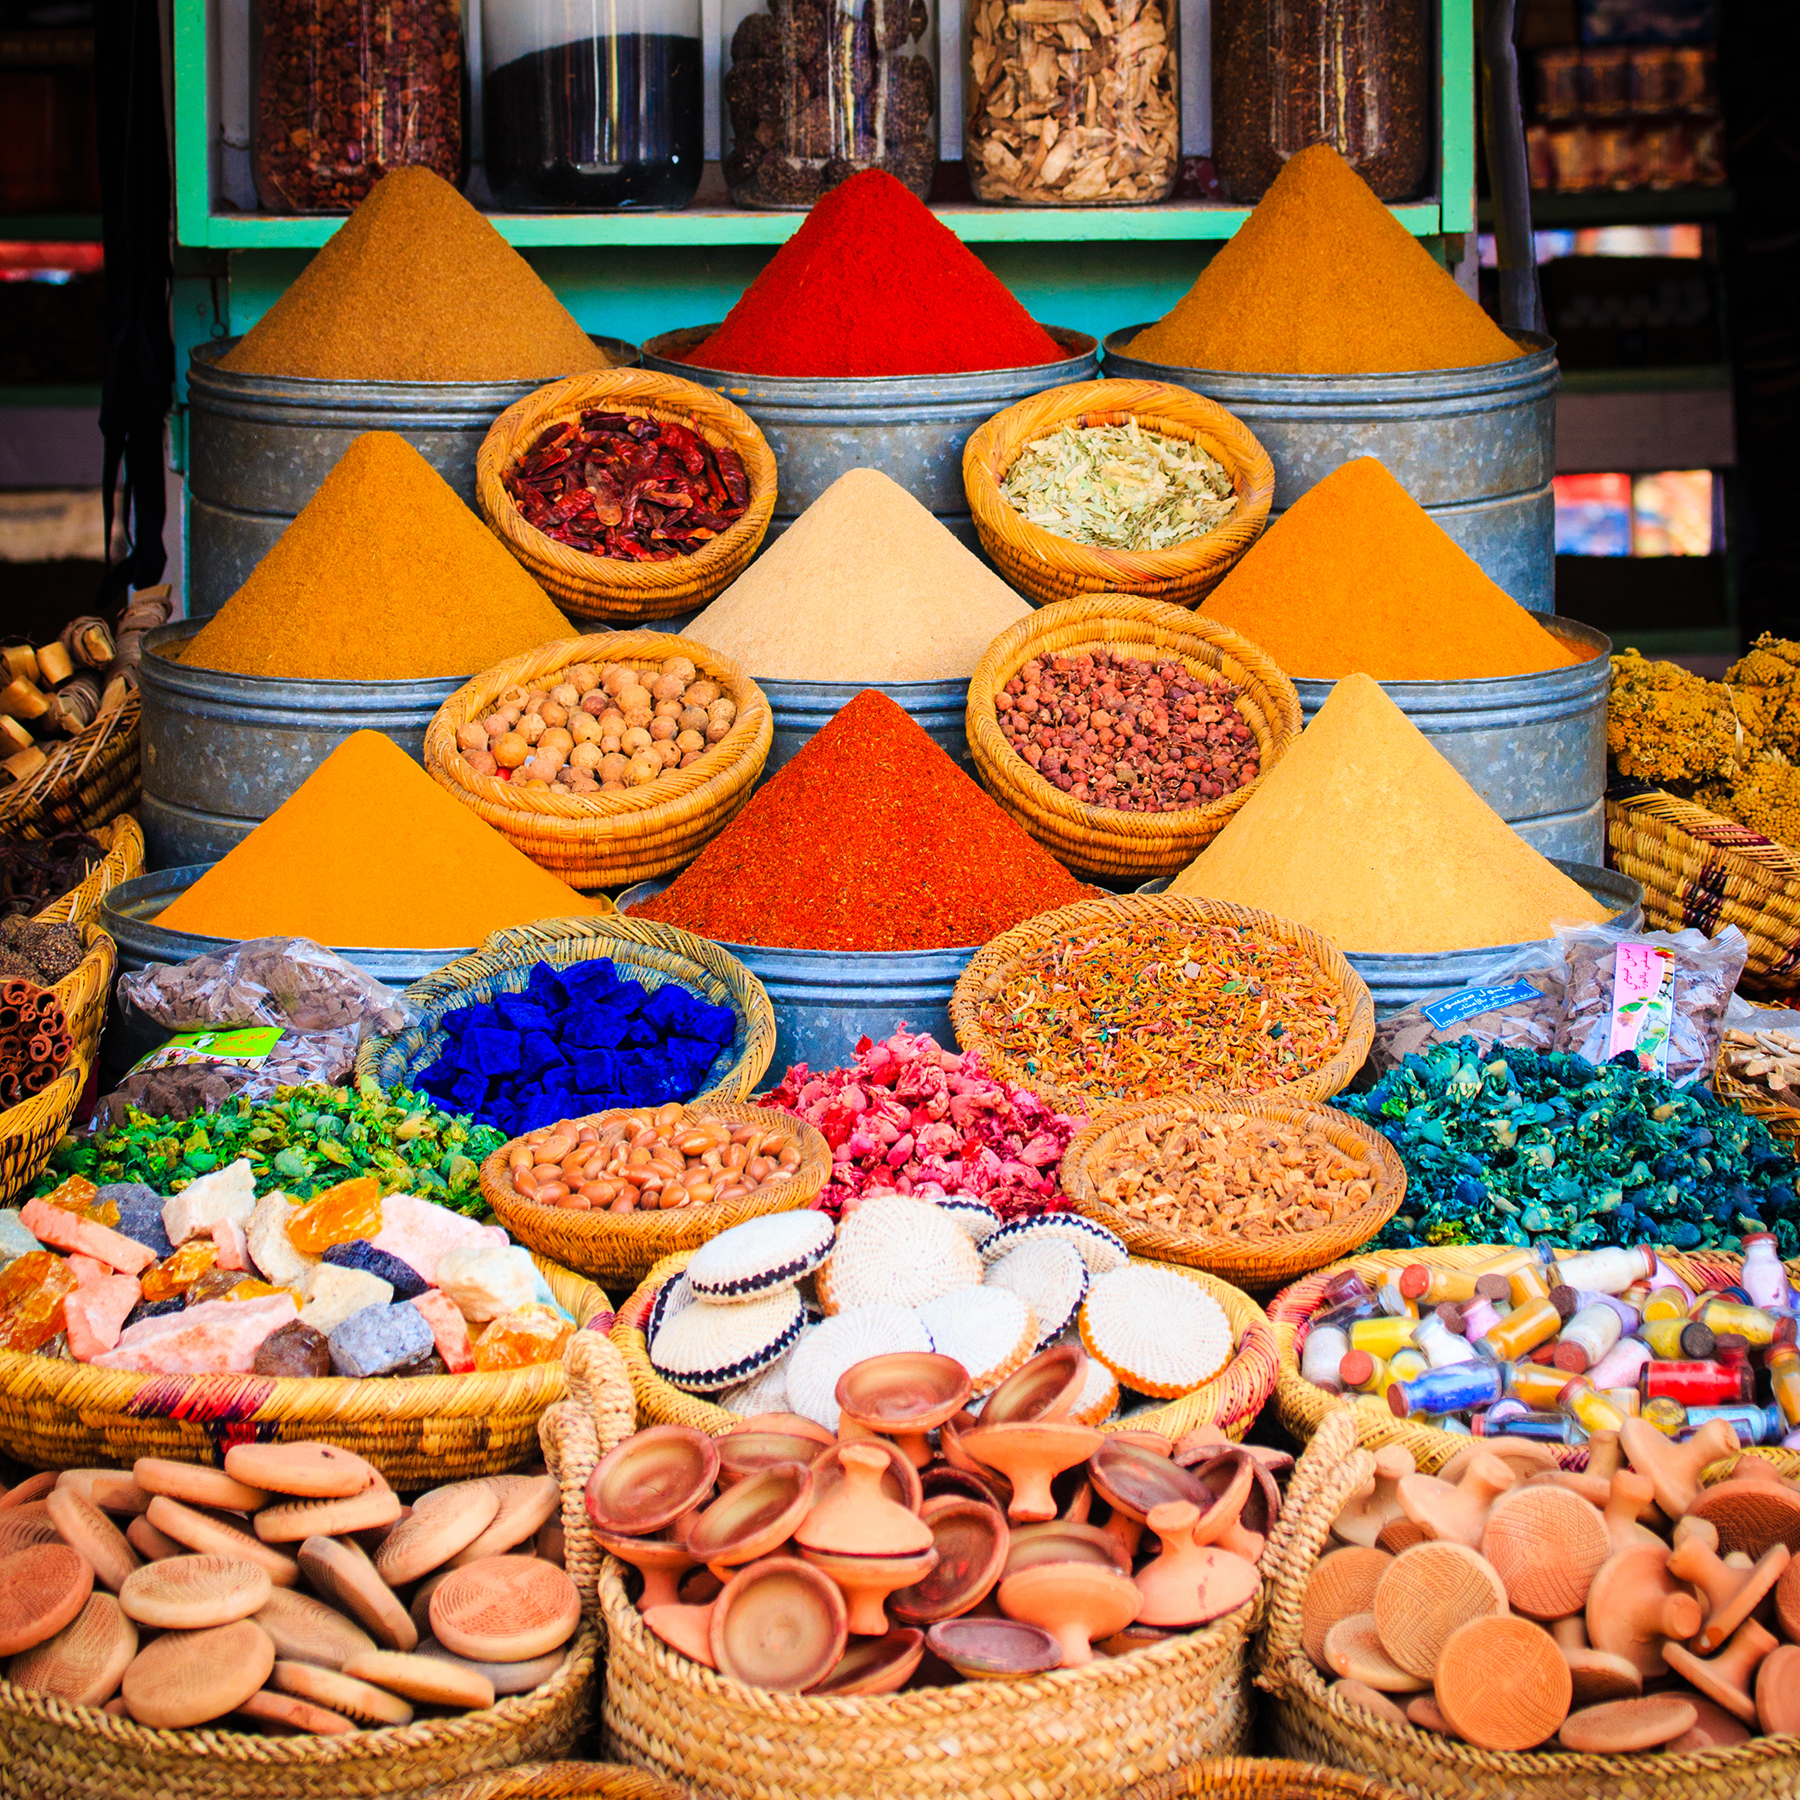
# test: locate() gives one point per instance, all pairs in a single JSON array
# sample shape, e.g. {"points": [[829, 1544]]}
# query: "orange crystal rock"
{"points": [[528, 1334], [78, 1195], [32, 1290], [252, 1289], [340, 1215], [176, 1274]]}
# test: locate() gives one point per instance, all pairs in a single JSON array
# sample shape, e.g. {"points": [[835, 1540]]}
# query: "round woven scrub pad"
{"points": [[895, 1251], [705, 1348], [669, 1299], [989, 1330], [835, 1344], [1100, 1249], [976, 1217], [1160, 1333], [764, 1393], [1099, 1396], [1050, 1277], [760, 1257]]}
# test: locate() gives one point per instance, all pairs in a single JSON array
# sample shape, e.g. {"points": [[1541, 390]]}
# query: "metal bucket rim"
{"points": [[1494, 688], [203, 362], [1353, 385], [210, 679], [799, 690]]}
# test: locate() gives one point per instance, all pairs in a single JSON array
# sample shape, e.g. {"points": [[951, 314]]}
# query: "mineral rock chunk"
{"points": [[295, 1349], [379, 1340], [337, 1293], [227, 1193], [216, 1336]]}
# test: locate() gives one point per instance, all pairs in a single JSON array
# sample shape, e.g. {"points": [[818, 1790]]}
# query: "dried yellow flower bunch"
{"points": [[1666, 724]]}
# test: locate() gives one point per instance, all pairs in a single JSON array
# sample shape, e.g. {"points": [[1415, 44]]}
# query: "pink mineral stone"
{"points": [[448, 1327], [419, 1232], [86, 1270], [234, 1246], [214, 1337], [69, 1231], [95, 1312]]}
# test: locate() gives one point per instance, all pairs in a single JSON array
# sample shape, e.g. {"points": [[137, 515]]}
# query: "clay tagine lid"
{"points": [[778, 1624], [646, 1483], [1062, 1540], [753, 1517], [1076, 1602], [1502, 1683], [84, 1662], [857, 1519], [880, 1665], [900, 1481], [972, 1541], [1191, 1583], [1342, 1583], [1046, 1387], [994, 1649], [185, 1678]]}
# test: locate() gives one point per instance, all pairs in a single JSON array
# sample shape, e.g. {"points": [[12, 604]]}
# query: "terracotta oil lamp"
{"points": [[787, 1424], [1232, 1483], [875, 1665], [1046, 1387], [899, 1481], [1262, 1504], [778, 1625], [752, 1518], [1074, 1602], [1156, 1442], [971, 1540], [904, 1395], [661, 1561], [1031, 1456], [1059, 1540], [941, 1481], [651, 1479], [1134, 1637], [957, 1459], [868, 1544], [1131, 1479], [1190, 1583]]}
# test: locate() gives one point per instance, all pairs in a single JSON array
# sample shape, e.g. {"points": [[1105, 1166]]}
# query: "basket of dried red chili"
{"points": [[629, 494]]}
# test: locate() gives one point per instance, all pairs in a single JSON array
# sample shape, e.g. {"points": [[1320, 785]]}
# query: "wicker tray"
{"points": [[1262, 1777], [652, 953], [124, 845], [30, 1131], [1303, 1407], [1356, 1010], [1231, 1400], [1782, 1121], [601, 587], [1304, 1719], [1703, 870], [609, 840], [562, 1780], [1044, 567], [1100, 841], [620, 1249], [1259, 1265], [87, 781], [50, 1750]]}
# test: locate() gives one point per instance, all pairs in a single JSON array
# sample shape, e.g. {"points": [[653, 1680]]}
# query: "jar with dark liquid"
{"points": [[592, 105]]}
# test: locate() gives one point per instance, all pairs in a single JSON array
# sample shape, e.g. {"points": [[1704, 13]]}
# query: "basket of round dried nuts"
{"points": [[609, 759], [618, 1191]]}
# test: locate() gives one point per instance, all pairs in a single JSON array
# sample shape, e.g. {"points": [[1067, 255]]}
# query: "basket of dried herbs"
{"points": [[1128, 487]]}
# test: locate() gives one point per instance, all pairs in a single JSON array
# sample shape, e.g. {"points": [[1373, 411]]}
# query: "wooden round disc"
{"points": [[504, 1609], [293, 1521], [210, 1535], [441, 1523], [268, 1707], [1547, 1545], [196, 1485], [358, 1700], [23, 1526], [1353, 1650], [426, 1679], [508, 1678], [1427, 1593], [84, 1662], [1341, 1583], [189, 1593], [42, 1589], [305, 1630], [312, 1471], [526, 1504], [1621, 1726], [87, 1530], [185, 1678], [343, 1575], [1502, 1683], [1359, 1693]]}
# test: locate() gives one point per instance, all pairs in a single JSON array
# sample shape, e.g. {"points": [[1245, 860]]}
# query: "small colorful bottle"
{"points": [[1393, 1302], [1326, 1347], [1407, 1364], [1441, 1345], [1668, 1416], [1751, 1323], [1344, 1316], [1343, 1286], [1382, 1336], [1590, 1409], [1609, 1271], [1784, 1382], [1364, 1373], [1666, 1303], [1678, 1338], [1537, 1385], [1541, 1427], [1587, 1337], [1531, 1282], [1627, 1399], [1460, 1387], [1479, 1318], [1753, 1424], [1622, 1365], [1433, 1287], [1764, 1279], [1694, 1383], [1521, 1331]]}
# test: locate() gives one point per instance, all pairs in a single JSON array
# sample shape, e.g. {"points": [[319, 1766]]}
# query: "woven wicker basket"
{"points": [[620, 1249], [124, 861], [1261, 1778], [1102, 842], [563, 1780], [1076, 1734], [602, 587], [418, 1430], [1303, 1407], [1255, 1264], [1304, 1719], [87, 781], [608, 840], [1782, 1121], [1045, 567], [50, 1750], [648, 952], [1231, 1400], [30, 1131], [1356, 1010], [1703, 870]]}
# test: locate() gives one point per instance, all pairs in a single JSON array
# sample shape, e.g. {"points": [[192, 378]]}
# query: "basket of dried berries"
{"points": [[608, 760], [1124, 487], [1123, 733], [1255, 1191], [628, 494]]}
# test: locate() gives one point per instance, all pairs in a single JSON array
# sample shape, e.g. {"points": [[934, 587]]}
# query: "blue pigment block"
{"points": [[522, 1014], [590, 981], [490, 1052], [538, 1051], [596, 1072], [402, 1277], [468, 1092], [546, 988], [627, 999], [597, 1030]]}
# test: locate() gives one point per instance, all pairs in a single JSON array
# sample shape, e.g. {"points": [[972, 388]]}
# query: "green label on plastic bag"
{"points": [[248, 1046]]}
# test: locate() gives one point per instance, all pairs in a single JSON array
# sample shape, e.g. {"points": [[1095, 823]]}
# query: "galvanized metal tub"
{"points": [[910, 427], [803, 708], [259, 446], [825, 1000], [1475, 447], [1396, 981], [221, 752], [1532, 746]]}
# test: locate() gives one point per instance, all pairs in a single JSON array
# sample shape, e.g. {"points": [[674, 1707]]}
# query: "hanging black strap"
{"points": [[140, 350]]}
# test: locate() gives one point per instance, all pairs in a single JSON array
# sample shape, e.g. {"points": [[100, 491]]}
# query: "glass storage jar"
{"points": [[349, 89], [1355, 74], [818, 90], [595, 104], [1073, 102]]}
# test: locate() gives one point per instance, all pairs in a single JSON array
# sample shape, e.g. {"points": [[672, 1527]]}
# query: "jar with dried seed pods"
{"points": [[1073, 102]]}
